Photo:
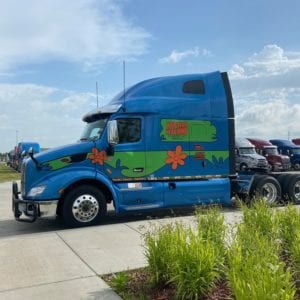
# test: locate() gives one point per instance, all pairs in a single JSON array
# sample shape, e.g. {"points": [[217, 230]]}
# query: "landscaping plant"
{"points": [[255, 270], [191, 259]]}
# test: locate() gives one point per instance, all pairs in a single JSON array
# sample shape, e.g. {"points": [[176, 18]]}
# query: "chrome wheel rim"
{"points": [[85, 208], [269, 192]]}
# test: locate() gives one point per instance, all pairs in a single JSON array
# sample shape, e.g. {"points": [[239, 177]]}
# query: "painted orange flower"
{"points": [[97, 156], [176, 157]]}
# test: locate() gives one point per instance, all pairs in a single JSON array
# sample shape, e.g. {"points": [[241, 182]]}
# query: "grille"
{"points": [[262, 163]]}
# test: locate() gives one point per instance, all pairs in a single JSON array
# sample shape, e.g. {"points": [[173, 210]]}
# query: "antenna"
{"points": [[97, 94], [124, 73]]}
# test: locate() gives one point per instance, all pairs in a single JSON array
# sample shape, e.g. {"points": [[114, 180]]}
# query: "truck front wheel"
{"points": [[85, 205]]}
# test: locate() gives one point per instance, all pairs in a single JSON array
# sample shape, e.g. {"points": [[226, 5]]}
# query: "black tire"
{"points": [[283, 179], [291, 188], [267, 188], [83, 206]]}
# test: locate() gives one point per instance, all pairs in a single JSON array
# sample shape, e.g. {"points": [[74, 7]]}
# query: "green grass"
{"points": [[8, 174]]}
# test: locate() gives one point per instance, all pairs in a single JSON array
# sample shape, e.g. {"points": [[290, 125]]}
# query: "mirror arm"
{"points": [[38, 165]]}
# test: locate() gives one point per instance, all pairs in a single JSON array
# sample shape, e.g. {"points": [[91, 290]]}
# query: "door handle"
{"points": [[138, 170]]}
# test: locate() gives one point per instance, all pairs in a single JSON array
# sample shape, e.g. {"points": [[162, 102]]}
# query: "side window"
{"points": [[194, 87], [129, 130]]}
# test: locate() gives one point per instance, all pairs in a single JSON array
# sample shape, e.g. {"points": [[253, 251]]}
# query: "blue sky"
{"points": [[53, 51]]}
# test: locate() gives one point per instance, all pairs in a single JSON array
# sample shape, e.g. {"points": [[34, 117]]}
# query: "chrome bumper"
{"points": [[31, 209]]}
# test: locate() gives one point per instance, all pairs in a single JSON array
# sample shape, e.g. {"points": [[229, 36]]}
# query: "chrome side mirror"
{"points": [[31, 151], [112, 132]]}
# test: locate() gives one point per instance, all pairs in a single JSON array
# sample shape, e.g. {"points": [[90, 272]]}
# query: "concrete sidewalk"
{"points": [[44, 260]]}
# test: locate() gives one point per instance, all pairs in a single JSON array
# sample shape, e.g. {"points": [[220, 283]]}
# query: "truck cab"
{"points": [[165, 142], [246, 157], [276, 161], [22, 152], [296, 141], [288, 148]]}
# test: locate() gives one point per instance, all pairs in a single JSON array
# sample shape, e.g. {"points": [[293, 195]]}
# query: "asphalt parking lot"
{"points": [[46, 260]]}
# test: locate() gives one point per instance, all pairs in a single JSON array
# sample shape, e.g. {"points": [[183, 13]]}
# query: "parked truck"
{"points": [[165, 142], [276, 161], [288, 148], [296, 141], [246, 157], [22, 152]]}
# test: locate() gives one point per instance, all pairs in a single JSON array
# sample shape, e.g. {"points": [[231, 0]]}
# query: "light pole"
{"points": [[17, 131]]}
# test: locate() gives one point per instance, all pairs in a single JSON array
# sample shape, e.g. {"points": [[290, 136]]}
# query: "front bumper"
{"points": [[29, 208]]}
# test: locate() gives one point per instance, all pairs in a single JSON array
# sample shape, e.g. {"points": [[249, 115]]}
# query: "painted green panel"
{"points": [[187, 131], [58, 163]]}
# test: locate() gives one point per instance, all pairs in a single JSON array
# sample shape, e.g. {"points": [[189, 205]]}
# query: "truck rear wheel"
{"points": [[83, 206], [267, 188], [291, 188]]}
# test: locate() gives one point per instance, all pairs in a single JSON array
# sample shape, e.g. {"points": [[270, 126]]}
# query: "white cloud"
{"points": [[31, 110], [270, 61], [266, 91], [88, 32], [176, 56], [268, 114]]}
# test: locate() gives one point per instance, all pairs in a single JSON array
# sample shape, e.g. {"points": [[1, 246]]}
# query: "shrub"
{"points": [[255, 270], [190, 259], [197, 266], [161, 246], [289, 224]]}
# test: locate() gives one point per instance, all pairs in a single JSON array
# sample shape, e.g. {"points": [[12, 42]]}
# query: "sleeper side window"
{"points": [[129, 130], [194, 87]]}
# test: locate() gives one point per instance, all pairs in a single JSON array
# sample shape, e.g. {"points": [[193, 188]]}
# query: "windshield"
{"points": [[247, 150], [93, 130], [271, 151], [296, 151]]}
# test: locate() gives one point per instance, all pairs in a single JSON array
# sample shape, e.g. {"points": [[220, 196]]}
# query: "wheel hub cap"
{"points": [[269, 192], [85, 208]]}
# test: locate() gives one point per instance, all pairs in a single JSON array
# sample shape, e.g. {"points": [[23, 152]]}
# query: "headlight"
{"points": [[36, 191]]}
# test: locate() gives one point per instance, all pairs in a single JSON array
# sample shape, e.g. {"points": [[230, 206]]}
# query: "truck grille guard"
{"points": [[30, 206]]}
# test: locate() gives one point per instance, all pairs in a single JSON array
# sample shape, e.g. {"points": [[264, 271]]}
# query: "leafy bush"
{"points": [[197, 266], [255, 270], [161, 247], [289, 223], [211, 227], [190, 259], [193, 259]]}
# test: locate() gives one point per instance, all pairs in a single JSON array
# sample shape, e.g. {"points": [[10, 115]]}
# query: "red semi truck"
{"points": [[296, 141], [276, 161]]}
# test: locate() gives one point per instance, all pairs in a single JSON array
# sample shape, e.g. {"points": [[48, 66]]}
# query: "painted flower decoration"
{"points": [[97, 156], [176, 157]]}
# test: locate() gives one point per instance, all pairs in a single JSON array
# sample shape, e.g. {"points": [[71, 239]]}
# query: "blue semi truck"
{"points": [[165, 142], [288, 148], [22, 151]]}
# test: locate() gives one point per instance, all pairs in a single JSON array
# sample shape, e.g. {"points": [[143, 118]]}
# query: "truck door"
{"points": [[128, 158], [127, 166]]}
